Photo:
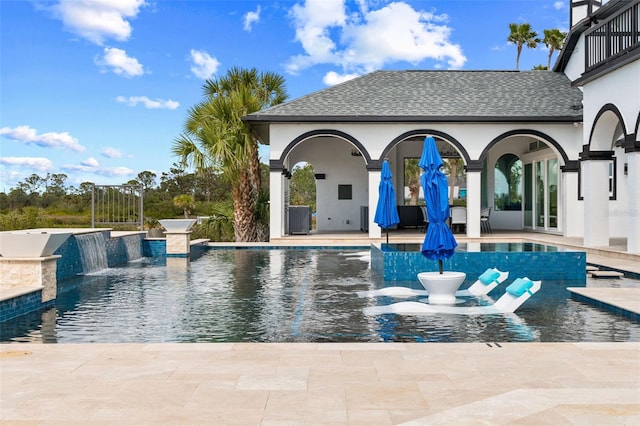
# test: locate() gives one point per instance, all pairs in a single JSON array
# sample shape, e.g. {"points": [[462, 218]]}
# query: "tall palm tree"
{"points": [[215, 135], [521, 35], [553, 39]]}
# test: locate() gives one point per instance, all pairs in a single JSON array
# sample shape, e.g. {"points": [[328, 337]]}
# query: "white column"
{"points": [[276, 205], [633, 185], [572, 212], [474, 183], [374, 182], [595, 190]]}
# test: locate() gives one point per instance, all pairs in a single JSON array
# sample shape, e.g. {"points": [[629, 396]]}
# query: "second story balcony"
{"points": [[610, 42]]}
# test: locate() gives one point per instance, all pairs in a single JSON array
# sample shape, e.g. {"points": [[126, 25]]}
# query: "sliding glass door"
{"points": [[541, 194]]}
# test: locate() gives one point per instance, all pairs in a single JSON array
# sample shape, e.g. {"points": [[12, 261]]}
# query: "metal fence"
{"points": [[116, 205]]}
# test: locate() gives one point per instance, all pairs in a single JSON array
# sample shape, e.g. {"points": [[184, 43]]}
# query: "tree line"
{"points": [[48, 201]]}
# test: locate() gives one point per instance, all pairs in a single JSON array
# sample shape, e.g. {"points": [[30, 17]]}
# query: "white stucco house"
{"points": [[552, 151]]}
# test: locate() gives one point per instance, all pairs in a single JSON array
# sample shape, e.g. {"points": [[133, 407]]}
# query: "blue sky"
{"points": [[99, 89]]}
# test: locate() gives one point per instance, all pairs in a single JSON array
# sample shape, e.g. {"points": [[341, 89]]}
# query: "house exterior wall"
{"points": [[575, 66], [620, 88], [474, 137], [331, 155]]}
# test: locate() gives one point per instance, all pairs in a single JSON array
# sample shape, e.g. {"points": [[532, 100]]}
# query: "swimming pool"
{"points": [[296, 295]]}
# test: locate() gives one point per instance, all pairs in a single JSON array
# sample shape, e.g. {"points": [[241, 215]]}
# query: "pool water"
{"points": [[296, 295]]}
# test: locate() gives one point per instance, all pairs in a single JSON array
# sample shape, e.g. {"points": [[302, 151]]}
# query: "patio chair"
{"points": [[458, 217], [425, 218], [485, 225]]}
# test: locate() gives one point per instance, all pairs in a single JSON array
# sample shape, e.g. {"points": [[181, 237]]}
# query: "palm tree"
{"points": [[215, 135], [521, 34], [186, 202], [553, 39], [412, 179]]}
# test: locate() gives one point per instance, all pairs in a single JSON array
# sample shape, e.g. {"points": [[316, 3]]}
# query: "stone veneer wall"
{"points": [[20, 272]]}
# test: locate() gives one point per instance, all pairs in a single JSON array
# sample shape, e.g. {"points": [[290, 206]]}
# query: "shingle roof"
{"points": [[437, 96]]}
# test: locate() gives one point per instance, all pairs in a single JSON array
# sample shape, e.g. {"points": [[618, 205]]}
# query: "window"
{"points": [[344, 192], [612, 179], [507, 188]]}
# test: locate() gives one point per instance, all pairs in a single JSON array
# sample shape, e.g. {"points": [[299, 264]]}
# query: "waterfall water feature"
{"points": [[133, 245], [93, 252]]}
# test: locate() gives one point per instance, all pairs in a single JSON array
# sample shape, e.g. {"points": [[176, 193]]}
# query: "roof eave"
{"points": [[259, 118]]}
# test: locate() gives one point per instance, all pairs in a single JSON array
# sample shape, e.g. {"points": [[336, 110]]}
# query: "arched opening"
{"points": [[404, 155], [326, 178], [453, 168], [521, 182]]}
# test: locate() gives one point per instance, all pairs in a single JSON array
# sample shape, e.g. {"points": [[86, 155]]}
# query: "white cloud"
{"points": [[36, 163], [120, 63], [366, 40], [313, 23], [47, 140], [92, 168], [10, 178], [110, 152], [115, 171], [250, 18], [332, 78], [204, 66], [148, 103], [98, 20], [559, 5], [91, 162]]}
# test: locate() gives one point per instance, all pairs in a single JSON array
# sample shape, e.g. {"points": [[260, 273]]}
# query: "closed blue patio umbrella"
{"points": [[439, 242], [386, 210]]}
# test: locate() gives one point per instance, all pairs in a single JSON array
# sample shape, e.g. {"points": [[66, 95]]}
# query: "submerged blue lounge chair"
{"points": [[515, 295], [486, 282]]}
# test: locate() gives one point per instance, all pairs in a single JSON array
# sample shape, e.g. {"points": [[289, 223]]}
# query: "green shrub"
{"points": [[25, 218]]}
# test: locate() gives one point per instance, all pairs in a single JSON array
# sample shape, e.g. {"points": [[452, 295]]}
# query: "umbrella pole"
{"points": [[387, 235], [440, 266]]}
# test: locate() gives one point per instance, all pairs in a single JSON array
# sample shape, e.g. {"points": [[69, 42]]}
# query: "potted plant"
{"points": [[154, 230]]}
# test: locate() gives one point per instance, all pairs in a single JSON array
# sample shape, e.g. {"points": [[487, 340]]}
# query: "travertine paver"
{"points": [[623, 298], [343, 384]]}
